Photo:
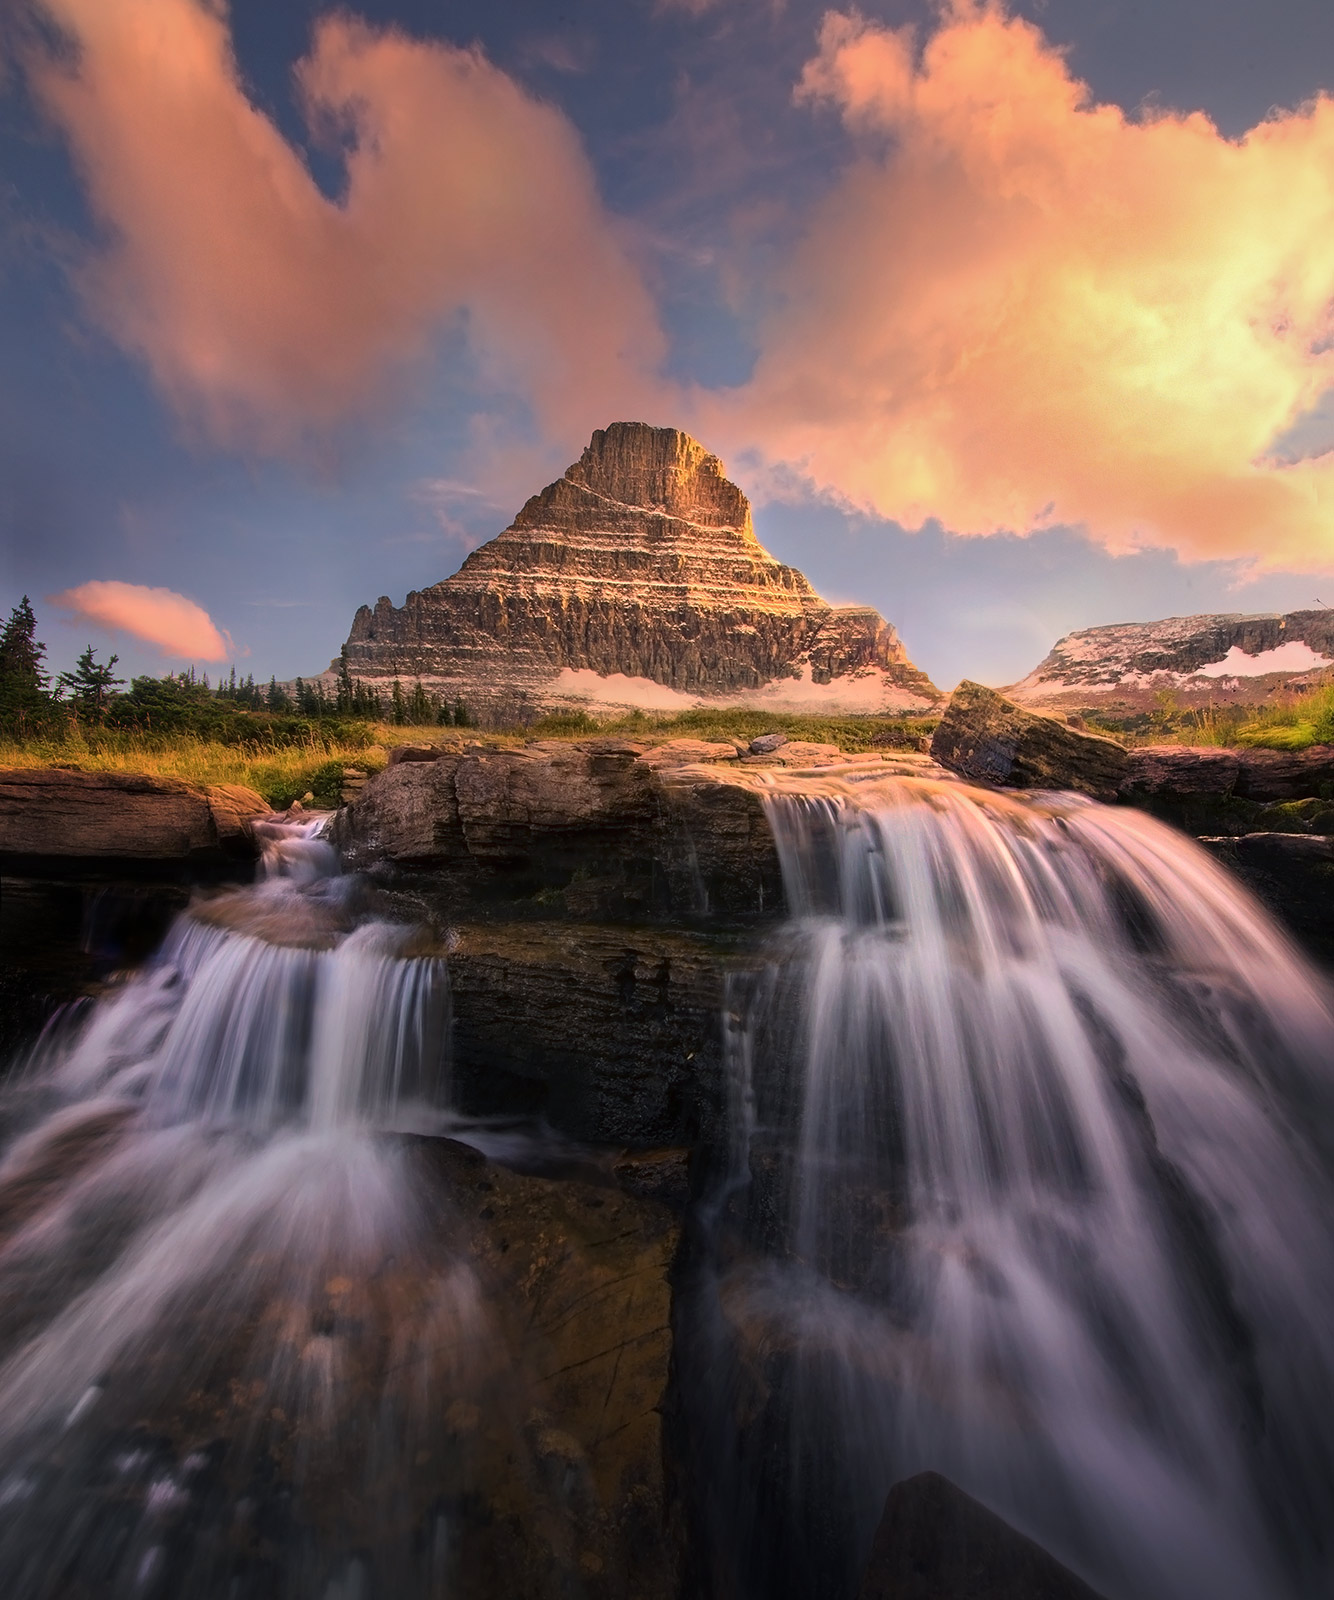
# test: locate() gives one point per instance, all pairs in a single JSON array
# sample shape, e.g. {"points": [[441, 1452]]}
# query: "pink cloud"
{"points": [[177, 626], [266, 311], [1017, 307]]}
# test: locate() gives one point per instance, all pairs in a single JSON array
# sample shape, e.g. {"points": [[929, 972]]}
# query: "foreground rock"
{"points": [[584, 1273], [1204, 660], [988, 739], [47, 813], [635, 579], [1293, 874], [935, 1542]]}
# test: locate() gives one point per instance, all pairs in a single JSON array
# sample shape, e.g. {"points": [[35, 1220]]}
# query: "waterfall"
{"points": [[233, 1320], [1031, 1186]]}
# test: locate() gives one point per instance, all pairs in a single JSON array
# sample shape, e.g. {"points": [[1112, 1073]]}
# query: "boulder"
{"points": [[592, 829], [51, 813], [935, 1542], [988, 739], [767, 743]]}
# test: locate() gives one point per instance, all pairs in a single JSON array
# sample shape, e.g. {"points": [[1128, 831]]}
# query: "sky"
{"points": [[1010, 319]]}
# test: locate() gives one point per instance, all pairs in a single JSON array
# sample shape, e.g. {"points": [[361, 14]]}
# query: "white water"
{"points": [[1058, 1102], [204, 1236]]}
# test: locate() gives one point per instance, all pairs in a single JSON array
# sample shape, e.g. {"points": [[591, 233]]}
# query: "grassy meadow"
{"points": [[287, 769]]}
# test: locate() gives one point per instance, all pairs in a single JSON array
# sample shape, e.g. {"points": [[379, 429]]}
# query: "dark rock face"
{"points": [[48, 813], [641, 561], [1219, 658], [935, 1542], [988, 739], [1293, 874], [583, 1271]]}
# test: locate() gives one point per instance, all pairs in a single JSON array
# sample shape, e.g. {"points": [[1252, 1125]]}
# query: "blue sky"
{"points": [[709, 180]]}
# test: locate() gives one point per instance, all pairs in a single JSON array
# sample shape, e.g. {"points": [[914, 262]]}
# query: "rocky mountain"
{"points": [[1235, 658], [635, 580]]}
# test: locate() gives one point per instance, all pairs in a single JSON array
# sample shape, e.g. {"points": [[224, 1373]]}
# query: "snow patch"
{"points": [[1294, 656], [868, 691]]}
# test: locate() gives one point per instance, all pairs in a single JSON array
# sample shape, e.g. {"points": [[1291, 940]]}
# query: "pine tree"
{"points": [[276, 699], [446, 716], [399, 710], [345, 699], [461, 717], [22, 681], [420, 709], [89, 686]]}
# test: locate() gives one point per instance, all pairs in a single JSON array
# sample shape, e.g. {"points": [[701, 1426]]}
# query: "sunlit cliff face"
{"points": [[1016, 307]]}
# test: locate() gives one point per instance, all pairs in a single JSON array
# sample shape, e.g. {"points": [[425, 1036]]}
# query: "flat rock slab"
{"points": [[1183, 772], [988, 739], [52, 813], [935, 1542]]}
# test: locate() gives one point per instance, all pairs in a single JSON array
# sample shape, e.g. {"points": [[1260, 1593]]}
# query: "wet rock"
{"points": [[988, 739], [48, 813], [1293, 874], [767, 743], [585, 1273], [935, 1542], [611, 1034]]}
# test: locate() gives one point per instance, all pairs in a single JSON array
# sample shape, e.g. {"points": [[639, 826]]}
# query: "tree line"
{"points": [[33, 703]]}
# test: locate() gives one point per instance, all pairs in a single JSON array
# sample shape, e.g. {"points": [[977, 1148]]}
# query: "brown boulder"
{"points": [[988, 739], [49, 812], [935, 1542]]}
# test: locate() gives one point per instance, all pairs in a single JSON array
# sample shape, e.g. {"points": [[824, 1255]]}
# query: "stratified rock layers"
{"points": [[639, 564], [1121, 668]]}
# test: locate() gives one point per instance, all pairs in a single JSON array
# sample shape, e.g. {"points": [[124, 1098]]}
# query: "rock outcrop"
{"points": [[988, 739], [634, 580], [1222, 659], [49, 813], [935, 1542]]}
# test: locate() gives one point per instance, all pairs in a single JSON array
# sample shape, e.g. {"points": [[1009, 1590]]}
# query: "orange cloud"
{"points": [[265, 310], [161, 616], [1017, 307]]}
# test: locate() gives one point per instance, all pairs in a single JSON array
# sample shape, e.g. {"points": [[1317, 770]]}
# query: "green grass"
{"points": [[1290, 722], [853, 734]]}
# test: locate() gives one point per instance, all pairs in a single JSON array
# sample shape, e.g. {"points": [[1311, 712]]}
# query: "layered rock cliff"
{"points": [[635, 579], [1219, 658]]}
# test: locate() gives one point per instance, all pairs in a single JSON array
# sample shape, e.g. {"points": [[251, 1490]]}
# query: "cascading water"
{"points": [[240, 1353], [1033, 1138]]}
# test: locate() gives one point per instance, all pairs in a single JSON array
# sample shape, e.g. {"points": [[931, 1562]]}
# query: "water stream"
{"points": [[1033, 1117], [1027, 1181], [206, 1234]]}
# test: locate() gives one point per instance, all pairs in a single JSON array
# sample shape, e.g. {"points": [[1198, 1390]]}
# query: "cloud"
{"points": [[161, 616], [266, 311], [1017, 308]]}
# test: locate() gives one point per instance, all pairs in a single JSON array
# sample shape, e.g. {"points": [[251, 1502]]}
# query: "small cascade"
{"points": [[1033, 1133], [242, 1350]]}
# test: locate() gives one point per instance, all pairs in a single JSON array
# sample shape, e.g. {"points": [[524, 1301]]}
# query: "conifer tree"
{"points": [[461, 717], [276, 699], [399, 710], [89, 686], [22, 681], [420, 709]]}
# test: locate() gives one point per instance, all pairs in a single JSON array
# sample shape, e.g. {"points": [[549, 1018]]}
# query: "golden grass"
{"points": [[1289, 722], [281, 774]]}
